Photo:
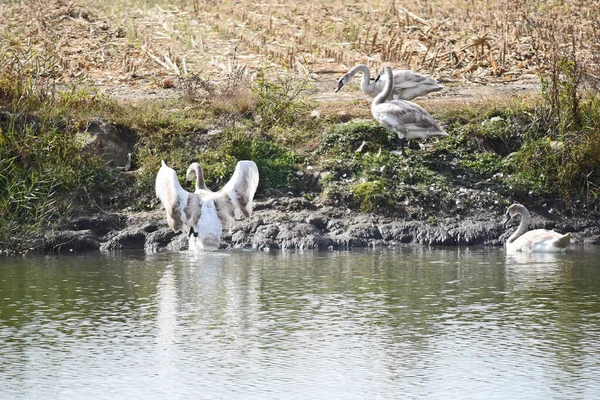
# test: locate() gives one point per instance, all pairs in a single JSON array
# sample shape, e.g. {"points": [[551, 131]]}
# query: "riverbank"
{"points": [[83, 137], [328, 178], [298, 224]]}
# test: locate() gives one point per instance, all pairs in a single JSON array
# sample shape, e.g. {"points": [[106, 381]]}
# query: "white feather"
{"points": [[537, 240], [242, 187], [406, 119], [203, 214]]}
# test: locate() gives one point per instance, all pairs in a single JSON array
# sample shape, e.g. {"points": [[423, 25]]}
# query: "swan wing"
{"points": [[410, 107], [234, 200], [415, 120], [407, 85], [414, 92], [541, 240], [404, 79], [563, 241], [182, 207]]}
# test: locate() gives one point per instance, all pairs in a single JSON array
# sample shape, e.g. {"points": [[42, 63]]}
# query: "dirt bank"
{"points": [[296, 223]]}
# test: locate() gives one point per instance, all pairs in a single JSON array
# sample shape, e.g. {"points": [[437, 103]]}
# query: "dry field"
{"points": [[143, 48]]}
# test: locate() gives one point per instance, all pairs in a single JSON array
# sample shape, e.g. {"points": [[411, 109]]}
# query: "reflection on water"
{"points": [[417, 321]]}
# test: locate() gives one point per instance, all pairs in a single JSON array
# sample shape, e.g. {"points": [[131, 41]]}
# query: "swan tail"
{"points": [[563, 241]]}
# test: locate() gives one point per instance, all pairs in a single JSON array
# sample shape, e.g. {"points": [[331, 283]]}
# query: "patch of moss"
{"points": [[370, 194]]}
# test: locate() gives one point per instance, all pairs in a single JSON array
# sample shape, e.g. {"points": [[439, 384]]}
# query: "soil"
{"points": [[289, 223]]}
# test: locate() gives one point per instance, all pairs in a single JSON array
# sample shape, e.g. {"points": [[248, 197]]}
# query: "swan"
{"points": [[537, 240], [406, 119], [204, 213], [195, 171], [407, 84]]}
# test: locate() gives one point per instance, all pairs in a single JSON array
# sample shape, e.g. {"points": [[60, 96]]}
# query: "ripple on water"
{"points": [[416, 321]]}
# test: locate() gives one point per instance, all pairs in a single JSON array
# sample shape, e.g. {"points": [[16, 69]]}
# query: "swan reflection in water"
{"points": [[209, 295], [530, 270]]}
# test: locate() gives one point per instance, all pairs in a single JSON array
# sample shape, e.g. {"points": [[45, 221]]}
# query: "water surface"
{"points": [[414, 322]]}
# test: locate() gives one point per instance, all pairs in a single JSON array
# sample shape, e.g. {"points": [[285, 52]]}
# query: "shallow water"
{"points": [[414, 322]]}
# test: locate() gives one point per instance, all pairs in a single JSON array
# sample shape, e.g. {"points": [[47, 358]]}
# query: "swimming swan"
{"points": [[195, 171], [204, 213], [537, 240], [404, 118], [407, 84]]}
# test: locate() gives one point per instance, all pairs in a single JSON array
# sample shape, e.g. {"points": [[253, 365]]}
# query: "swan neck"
{"points": [[523, 227], [387, 90], [200, 184], [365, 84]]}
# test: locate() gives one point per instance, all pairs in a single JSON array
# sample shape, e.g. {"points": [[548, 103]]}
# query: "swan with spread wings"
{"points": [[202, 215]]}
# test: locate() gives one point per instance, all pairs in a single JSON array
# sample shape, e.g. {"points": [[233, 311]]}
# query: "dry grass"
{"points": [[453, 40]]}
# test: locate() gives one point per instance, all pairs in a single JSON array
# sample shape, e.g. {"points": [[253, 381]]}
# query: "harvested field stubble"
{"points": [[480, 41]]}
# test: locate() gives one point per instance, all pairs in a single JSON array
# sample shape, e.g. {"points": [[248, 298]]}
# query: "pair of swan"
{"points": [[537, 240], [204, 213], [407, 84], [405, 118]]}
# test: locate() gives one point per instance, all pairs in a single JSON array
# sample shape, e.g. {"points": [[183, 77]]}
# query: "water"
{"points": [[415, 322]]}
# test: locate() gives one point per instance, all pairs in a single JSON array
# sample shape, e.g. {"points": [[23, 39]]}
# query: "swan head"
{"points": [[343, 80], [191, 171], [378, 77], [514, 210]]}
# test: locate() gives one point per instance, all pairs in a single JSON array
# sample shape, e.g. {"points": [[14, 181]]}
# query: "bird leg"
{"points": [[192, 232], [400, 142]]}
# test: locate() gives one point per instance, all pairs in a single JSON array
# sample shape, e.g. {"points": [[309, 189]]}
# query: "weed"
{"points": [[371, 195], [280, 101]]}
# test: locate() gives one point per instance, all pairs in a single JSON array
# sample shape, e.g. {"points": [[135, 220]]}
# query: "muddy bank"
{"points": [[296, 223]]}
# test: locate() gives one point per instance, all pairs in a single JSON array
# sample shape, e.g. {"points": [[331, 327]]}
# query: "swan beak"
{"points": [[378, 77], [505, 221], [339, 86]]}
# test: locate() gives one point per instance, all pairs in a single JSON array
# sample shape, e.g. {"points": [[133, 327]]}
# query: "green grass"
{"points": [[501, 152], [43, 174]]}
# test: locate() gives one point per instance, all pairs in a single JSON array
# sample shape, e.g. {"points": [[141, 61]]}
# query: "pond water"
{"points": [[412, 322]]}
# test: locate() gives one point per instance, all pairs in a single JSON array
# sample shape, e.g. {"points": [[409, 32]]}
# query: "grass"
{"points": [[499, 152], [44, 174]]}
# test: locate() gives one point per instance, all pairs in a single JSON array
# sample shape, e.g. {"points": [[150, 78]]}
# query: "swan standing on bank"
{"points": [[407, 84], [203, 214], [537, 240], [404, 118]]}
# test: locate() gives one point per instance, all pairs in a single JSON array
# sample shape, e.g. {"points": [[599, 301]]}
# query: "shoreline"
{"points": [[297, 224]]}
